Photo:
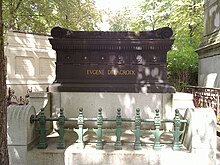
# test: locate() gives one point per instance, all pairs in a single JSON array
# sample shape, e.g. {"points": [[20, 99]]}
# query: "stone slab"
{"points": [[17, 155], [110, 102], [128, 102]]}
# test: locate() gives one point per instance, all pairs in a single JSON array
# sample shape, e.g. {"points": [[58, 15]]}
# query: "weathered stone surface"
{"points": [[41, 100], [109, 102], [200, 137], [162, 33], [20, 130], [209, 50], [31, 62], [22, 134]]}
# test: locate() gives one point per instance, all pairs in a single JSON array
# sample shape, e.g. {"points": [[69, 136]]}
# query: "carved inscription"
{"points": [[112, 72], [95, 72], [121, 72]]}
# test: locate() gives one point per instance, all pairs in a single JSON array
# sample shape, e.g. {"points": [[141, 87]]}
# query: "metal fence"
{"points": [[206, 97], [118, 120]]}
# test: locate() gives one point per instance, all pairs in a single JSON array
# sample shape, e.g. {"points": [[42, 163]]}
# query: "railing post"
{"points": [[118, 130], [137, 131], [99, 144], [80, 131], [157, 132], [176, 133], [42, 131], [61, 131]]}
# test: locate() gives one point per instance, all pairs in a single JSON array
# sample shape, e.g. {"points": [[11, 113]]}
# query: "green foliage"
{"points": [[28, 15], [42, 15], [182, 68], [120, 21], [185, 17], [153, 14], [79, 15]]}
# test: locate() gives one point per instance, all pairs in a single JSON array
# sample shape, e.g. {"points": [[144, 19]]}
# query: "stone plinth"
{"points": [[110, 102]]}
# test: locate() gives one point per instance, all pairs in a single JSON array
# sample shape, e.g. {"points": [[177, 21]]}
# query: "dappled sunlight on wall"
{"points": [[154, 102], [110, 102], [127, 103], [210, 80], [209, 51], [24, 66], [30, 62]]}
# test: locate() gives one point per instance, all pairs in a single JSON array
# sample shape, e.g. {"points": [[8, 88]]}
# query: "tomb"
{"points": [[109, 71], [111, 61]]}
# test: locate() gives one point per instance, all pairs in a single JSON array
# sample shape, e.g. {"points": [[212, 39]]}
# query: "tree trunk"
{"points": [[4, 158]]}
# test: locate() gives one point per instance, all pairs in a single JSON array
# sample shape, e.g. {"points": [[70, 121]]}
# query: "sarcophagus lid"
{"points": [[97, 61]]}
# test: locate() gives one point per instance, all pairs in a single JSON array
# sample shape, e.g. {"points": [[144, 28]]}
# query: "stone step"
{"points": [[127, 156], [108, 156]]}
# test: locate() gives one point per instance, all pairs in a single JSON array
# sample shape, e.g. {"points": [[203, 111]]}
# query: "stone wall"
{"points": [[30, 62], [209, 52]]}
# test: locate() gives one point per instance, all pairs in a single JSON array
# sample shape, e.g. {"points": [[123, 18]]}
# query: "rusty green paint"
{"points": [[137, 131], [99, 144], [157, 132], [118, 145], [80, 131], [118, 131], [42, 131], [176, 133], [61, 131]]}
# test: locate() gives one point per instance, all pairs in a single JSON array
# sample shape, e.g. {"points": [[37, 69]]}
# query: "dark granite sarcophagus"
{"points": [[111, 61]]}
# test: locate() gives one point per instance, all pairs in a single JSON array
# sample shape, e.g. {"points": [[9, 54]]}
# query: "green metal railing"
{"points": [[157, 132]]}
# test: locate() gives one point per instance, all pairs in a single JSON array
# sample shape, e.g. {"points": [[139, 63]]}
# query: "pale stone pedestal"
{"points": [[200, 137], [21, 133], [110, 102]]}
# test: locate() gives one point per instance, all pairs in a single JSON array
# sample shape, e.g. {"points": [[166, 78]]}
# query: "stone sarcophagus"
{"points": [[111, 61]]}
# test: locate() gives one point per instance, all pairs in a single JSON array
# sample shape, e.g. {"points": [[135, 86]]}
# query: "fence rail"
{"points": [[157, 132], [206, 97]]}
